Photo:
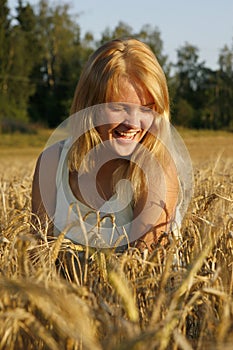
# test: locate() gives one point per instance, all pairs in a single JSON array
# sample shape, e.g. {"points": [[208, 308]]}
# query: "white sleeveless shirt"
{"points": [[83, 225]]}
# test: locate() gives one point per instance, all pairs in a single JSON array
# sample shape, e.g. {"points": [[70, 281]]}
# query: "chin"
{"points": [[123, 149]]}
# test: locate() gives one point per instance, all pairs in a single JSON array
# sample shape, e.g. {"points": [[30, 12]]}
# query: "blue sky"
{"points": [[207, 24]]}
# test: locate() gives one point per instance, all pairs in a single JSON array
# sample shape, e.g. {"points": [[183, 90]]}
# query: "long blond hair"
{"points": [[100, 81]]}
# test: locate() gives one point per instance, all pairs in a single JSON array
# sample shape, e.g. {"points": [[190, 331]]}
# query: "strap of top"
{"points": [[64, 148]]}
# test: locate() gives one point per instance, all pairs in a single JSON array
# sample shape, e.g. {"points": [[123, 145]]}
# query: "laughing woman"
{"points": [[116, 179]]}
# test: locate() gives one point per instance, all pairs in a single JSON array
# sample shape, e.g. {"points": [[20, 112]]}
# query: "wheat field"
{"points": [[56, 295]]}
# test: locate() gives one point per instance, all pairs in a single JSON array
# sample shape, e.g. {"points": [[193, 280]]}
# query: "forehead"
{"points": [[129, 91]]}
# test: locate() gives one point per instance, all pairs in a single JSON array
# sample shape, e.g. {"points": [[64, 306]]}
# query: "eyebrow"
{"points": [[149, 104]]}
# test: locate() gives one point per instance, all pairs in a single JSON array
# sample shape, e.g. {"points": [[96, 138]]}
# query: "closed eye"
{"points": [[121, 106], [116, 107], [147, 108]]}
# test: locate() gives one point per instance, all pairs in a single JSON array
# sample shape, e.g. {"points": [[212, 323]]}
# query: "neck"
{"points": [[104, 178]]}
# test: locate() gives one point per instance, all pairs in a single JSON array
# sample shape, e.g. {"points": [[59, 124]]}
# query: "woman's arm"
{"points": [[156, 216], [44, 186]]}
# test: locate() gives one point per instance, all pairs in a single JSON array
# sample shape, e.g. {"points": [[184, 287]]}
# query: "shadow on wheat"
{"points": [[57, 295]]}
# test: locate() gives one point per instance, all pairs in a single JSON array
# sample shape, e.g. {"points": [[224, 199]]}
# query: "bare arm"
{"points": [[166, 210], [44, 186]]}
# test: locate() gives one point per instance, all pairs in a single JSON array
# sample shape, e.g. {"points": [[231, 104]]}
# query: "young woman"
{"points": [[115, 178]]}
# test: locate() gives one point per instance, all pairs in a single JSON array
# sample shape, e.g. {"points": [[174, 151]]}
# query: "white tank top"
{"points": [[84, 225]]}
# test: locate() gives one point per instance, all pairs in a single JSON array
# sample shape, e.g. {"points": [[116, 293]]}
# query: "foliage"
{"points": [[16, 63], [43, 52], [202, 96], [59, 65]]}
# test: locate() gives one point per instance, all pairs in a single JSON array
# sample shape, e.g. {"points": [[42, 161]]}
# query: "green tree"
{"points": [[59, 67], [4, 44], [16, 63], [189, 81], [217, 89], [152, 37], [122, 30], [225, 87], [25, 50], [225, 60], [5, 37]]}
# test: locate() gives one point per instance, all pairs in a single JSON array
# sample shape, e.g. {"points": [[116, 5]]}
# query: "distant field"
{"points": [[21, 150], [202, 145], [207, 145]]}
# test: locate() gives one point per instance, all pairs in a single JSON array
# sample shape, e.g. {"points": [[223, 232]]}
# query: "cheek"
{"points": [[147, 121], [105, 131]]}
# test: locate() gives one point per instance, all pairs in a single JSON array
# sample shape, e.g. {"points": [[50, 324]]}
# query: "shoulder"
{"points": [[50, 156], [43, 184], [47, 162]]}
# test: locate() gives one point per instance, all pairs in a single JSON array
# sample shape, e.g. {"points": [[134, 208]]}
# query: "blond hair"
{"points": [[100, 83], [118, 58]]}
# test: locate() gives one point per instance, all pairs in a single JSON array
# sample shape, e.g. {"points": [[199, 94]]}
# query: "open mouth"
{"points": [[126, 135]]}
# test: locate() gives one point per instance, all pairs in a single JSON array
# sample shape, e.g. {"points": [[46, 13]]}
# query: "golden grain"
{"points": [[57, 295]]}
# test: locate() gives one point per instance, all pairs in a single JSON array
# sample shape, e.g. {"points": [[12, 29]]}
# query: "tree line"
{"points": [[42, 53]]}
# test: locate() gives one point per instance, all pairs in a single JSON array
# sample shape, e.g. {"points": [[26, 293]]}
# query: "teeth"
{"points": [[128, 134]]}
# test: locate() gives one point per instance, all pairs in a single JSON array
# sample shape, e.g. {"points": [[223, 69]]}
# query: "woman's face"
{"points": [[126, 119]]}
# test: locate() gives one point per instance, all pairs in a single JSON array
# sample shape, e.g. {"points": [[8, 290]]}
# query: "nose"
{"points": [[133, 118]]}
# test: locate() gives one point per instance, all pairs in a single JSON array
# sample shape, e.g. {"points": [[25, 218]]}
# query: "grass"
{"points": [[16, 140], [52, 297], [207, 145]]}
